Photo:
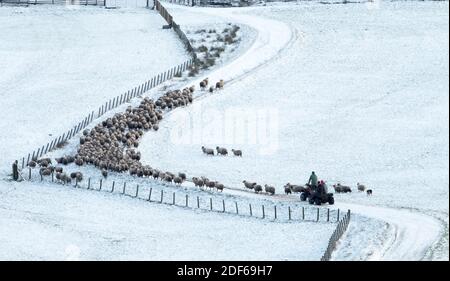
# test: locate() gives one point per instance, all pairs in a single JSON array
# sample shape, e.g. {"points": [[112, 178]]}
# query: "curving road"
{"points": [[414, 233]]}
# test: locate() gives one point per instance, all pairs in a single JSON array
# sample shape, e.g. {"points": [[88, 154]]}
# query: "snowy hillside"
{"points": [[59, 63], [357, 93]]}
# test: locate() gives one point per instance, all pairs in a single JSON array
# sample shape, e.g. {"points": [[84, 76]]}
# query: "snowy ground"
{"points": [[380, 91], [89, 225], [59, 63], [382, 98]]}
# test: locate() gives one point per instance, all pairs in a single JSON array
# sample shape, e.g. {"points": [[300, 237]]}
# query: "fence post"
{"points": [[89, 183], [137, 191], [210, 203], [317, 214], [187, 198], [338, 215], [28, 159], [303, 213], [263, 213], [223, 205], [198, 203], [101, 181], [173, 198], [76, 181], [23, 162], [250, 208], [162, 192], [114, 183], [289, 212], [236, 205], [328, 214], [29, 173], [150, 195], [275, 210], [124, 187]]}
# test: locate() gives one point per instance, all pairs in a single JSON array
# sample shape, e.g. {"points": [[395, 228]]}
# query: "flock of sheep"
{"points": [[338, 188], [221, 151]]}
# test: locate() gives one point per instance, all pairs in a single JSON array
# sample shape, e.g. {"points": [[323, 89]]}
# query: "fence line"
{"points": [[207, 202], [113, 103], [176, 27], [337, 234]]}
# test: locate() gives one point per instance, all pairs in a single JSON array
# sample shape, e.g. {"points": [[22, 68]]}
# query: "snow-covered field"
{"points": [[358, 93], [361, 96], [88, 225], [58, 63]]}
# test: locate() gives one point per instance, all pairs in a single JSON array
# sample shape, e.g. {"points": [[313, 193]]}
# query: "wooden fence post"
{"points": [[89, 183], [275, 211], [150, 195], [187, 200], [29, 173], [198, 203], [328, 214], [162, 192], [338, 215], [113, 184], [223, 205], [303, 213], [137, 191], [289, 212], [237, 209], [263, 213], [173, 198], [101, 181], [317, 214], [124, 187], [210, 203], [250, 208]]}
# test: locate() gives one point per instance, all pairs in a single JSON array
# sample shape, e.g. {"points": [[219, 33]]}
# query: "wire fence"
{"points": [[176, 27], [113, 103], [337, 234], [156, 191]]}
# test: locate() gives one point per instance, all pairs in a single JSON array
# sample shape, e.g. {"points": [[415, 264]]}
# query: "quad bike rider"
{"points": [[320, 195]]}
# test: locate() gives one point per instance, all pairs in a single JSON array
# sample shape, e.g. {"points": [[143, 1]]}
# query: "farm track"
{"points": [[408, 241]]}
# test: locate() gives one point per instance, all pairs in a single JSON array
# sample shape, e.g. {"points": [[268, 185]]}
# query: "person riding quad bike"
{"points": [[320, 195]]}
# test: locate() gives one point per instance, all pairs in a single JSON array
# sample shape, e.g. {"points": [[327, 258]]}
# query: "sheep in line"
{"points": [[361, 187], [338, 188], [221, 150], [269, 189], [204, 83], [237, 152], [294, 188], [207, 151], [249, 185]]}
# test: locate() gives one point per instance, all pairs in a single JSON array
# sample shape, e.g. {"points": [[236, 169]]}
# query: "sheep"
{"points": [[221, 151], [73, 175], [219, 186], [182, 176], [257, 188], [58, 169], [204, 83], [211, 184], [79, 161], [168, 178], [43, 163], [79, 176], [361, 187], [237, 152], [249, 185], [269, 189], [211, 89], [369, 192], [198, 182], [295, 188], [287, 190], [338, 188], [178, 180], [32, 164], [219, 85], [207, 151], [104, 173]]}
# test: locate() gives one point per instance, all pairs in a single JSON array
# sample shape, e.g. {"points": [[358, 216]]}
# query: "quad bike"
{"points": [[317, 196]]}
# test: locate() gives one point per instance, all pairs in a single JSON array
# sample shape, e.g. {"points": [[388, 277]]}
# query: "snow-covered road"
{"points": [[413, 233]]}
